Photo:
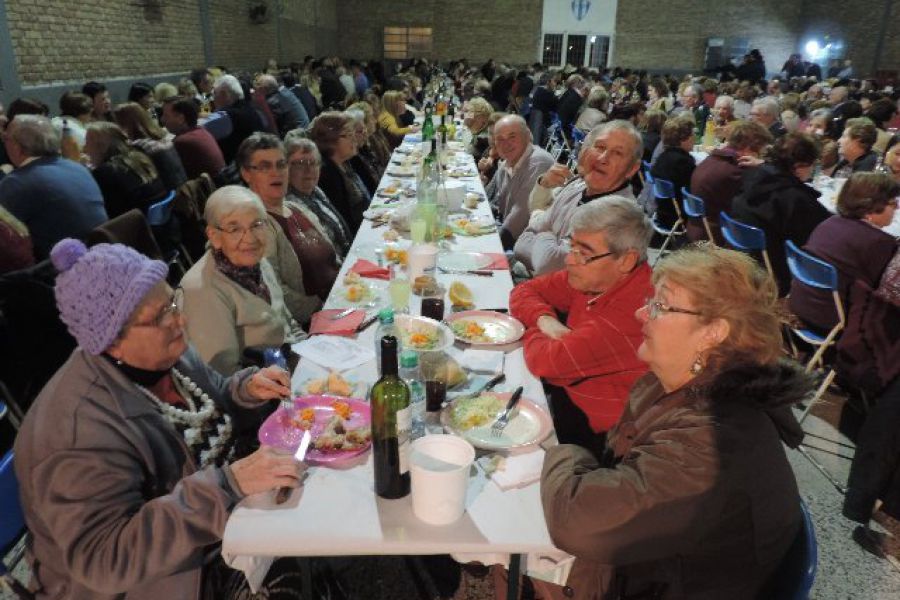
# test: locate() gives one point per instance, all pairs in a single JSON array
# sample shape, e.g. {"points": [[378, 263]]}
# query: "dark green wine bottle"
{"points": [[391, 426]]}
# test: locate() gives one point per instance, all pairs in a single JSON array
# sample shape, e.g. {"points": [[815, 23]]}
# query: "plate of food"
{"points": [[423, 334], [401, 171], [360, 294], [340, 428], [472, 226], [485, 327], [464, 261], [471, 418], [333, 384]]}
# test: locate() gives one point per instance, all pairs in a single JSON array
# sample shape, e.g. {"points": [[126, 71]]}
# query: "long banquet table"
{"points": [[336, 511]]}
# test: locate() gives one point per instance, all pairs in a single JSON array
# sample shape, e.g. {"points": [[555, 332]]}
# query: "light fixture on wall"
{"points": [[815, 50]]}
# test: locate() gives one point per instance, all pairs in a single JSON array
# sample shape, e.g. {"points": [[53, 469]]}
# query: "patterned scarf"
{"points": [[249, 278]]}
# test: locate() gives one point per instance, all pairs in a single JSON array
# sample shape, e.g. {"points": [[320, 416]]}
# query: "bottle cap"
{"points": [[386, 315], [409, 359]]}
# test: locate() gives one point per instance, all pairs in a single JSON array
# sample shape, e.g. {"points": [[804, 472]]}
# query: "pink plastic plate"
{"points": [[278, 432]]}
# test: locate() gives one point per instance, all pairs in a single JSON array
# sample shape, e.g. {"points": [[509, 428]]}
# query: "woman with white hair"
{"points": [[232, 298]]}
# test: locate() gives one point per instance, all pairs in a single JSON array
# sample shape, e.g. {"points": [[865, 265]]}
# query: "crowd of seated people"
{"points": [[306, 147]]}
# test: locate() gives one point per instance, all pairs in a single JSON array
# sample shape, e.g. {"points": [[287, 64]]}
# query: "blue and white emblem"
{"points": [[580, 8]]}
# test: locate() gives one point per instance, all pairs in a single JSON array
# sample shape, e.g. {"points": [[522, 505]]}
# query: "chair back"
{"points": [[663, 188], [646, 165], [810, 270], [12, 525], [160, 213], [795, 576], [742, 236], [694, 206], [130, 229]]}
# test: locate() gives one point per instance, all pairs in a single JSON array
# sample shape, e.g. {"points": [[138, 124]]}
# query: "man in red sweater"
{"points": [[582, 336]]}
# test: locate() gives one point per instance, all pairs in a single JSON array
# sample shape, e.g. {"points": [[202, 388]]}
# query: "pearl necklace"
{"points": [[195, 420]]}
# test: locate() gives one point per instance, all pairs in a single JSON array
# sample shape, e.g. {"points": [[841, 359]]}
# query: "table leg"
{"points": [[305, 564], [512, 583]]}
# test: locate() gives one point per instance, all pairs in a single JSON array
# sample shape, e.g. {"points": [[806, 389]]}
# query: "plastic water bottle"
{"points": [[386, 326], [410, 373]]}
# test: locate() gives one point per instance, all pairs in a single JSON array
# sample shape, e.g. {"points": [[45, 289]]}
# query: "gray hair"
{"points": [[231, 85], [695, 88], [621, 221], [617, 125], [726, 100], [267, 83], [356, 114], [823, 113], [769, 105], [295, 141], [228, 199], [514, 119], [35, 135]]}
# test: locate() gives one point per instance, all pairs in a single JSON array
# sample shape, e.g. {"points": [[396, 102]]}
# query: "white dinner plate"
{"points": [[529, 426], [498, 328], [464, 261]]}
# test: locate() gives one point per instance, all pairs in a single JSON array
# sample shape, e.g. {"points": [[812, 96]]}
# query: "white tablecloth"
{"points": [[829, 188], [336, 512]]}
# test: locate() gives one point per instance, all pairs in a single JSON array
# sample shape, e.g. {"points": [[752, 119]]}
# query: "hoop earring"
{"points": [[697, 365]]}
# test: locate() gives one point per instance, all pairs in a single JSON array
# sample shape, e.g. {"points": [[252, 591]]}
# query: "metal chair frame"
{"points": [[12, 527], [695, 208], [665, 190]]}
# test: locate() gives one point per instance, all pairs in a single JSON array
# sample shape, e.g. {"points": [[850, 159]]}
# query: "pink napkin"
{"points": [[499, 262], [366, 268], [323, 323]]}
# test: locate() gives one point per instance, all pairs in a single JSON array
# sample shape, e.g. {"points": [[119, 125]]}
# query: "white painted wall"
{"points": [[600, 17]]}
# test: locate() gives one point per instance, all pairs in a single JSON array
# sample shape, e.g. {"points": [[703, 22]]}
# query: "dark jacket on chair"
{"points": [[675, 165]]}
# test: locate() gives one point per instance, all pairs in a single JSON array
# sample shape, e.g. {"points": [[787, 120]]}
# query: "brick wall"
{"points": [[508, 30]]}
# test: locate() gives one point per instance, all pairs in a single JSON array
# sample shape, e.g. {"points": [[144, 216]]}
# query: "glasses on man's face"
{"points": [[256, 229], [580, 257], [304, 163], [167, 312], [268, 167], [656, 308]]}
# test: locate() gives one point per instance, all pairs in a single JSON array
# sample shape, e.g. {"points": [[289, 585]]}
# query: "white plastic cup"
{"points": [[452, 192], [422, 260], [439, 467]]}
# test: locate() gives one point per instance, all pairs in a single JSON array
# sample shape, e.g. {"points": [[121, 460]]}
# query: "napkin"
{"points": [[499, 261], [519, 470], [323, 323], [334, 352], [488, 361], [366, 268]]}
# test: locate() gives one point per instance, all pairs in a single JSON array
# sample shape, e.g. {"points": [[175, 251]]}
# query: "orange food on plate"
{"points": [[342, 409], [396, 255], [338, 386]]}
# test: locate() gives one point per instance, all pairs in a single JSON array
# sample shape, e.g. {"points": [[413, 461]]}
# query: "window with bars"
{"points": [[575, 49], [407, 42], [599, 51], [553, 43]]}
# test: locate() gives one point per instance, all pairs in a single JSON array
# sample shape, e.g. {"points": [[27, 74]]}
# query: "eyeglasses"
{"points": [[235, 231], [304, 163], [175, 305], [267, 167], [580, 257], [656, 308]]}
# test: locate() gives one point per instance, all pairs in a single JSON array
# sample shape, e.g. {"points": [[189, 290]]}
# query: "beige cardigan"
{"points": [[223, 318]]}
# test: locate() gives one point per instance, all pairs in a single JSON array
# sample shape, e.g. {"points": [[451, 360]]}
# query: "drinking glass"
{"points": [[433, 308], [399, 291], [417, 228]]}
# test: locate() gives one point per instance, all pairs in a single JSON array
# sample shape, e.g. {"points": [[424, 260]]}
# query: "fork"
{"points": [[503, 420], [344, 313]]}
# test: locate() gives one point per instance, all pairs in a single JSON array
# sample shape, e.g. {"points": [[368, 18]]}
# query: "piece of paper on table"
{"points": [[255, 568], [488, 361], [519, 470], [323, 323], [334, 352]]}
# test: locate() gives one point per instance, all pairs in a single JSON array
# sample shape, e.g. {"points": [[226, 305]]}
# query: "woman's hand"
{"points": [[749, 161], [267, 469], [270, 383]]}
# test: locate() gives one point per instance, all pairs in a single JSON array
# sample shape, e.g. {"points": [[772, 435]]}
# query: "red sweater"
{"points": [[597, 361]]}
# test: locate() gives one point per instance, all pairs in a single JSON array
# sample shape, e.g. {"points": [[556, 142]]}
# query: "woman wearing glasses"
{"points": [[693, 496], [233, 300], [303, 259], [125, 461]]}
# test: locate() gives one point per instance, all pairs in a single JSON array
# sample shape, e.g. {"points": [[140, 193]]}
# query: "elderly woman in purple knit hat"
{"points": [[125, 460]]}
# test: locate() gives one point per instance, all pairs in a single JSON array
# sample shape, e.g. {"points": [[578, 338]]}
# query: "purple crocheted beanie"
{"points": [[98, 289]]}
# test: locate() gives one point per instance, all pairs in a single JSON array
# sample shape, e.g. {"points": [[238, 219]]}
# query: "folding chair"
{"points": [[695, 208], [159, 216], [12, 527], [745, 238], [556, 139], [797, 572], [815, 272], [131, 229], [577, 140], [664, 191]]}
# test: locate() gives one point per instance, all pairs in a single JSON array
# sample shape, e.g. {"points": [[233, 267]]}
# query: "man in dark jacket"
{"points": [[287, 109], [235, 118], [570, 102]]}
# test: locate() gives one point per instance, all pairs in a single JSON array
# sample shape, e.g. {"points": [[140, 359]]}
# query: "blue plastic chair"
{"points": [[12, 523], [159, 215], [815, 272], [745, 238], [797, 572], [664, 191], [695, 208]]}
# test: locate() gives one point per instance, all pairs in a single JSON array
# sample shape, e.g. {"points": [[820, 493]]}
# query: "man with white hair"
{"points": [[581, 336], [235, 118], [766, 112], [521, 164], [609, 158], [54, 197], [892, 162], [287, 109], [723, 115]]}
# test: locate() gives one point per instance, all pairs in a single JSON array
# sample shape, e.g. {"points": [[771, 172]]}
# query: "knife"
{"points": [[482, 272], [284, 493], [367, 322], [496, 379]]}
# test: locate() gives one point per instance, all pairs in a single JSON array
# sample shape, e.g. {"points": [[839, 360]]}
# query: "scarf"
{"points": [[249, 278]]}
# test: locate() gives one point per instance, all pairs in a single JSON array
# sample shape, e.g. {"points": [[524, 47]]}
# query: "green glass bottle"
{"points": [[427, 125], [391, 426]]}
